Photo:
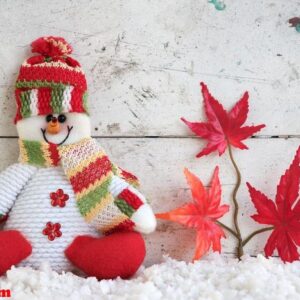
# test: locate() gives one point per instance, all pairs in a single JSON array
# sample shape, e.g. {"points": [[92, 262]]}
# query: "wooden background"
{"points": [[143, 61]]}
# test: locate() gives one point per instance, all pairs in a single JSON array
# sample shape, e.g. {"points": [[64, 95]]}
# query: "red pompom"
{"points": [[51, 46], [119, 254]]}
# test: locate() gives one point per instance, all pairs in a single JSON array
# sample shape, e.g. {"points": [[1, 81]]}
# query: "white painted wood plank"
{"points": [[144, 59], [159, 164]]}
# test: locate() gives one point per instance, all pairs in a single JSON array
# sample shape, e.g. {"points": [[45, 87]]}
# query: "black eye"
{"points": [[62, 118], [49, 118]]}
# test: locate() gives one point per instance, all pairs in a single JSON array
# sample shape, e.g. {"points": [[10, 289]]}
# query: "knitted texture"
{"points": [[12, 181], [33, 210], [101, 199], [51, 82], [40, 154], [44, 154], [130, 178], [34, 189]]}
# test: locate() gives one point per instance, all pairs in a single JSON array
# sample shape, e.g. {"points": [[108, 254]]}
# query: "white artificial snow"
{"points": [[215, 278]]}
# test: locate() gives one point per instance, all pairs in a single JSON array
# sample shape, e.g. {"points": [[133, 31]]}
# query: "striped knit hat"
{"points": [[51, 82]]}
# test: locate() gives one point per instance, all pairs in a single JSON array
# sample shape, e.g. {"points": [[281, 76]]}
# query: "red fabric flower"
{"points": [[223, 127], [52, 231], [283, 214], [59, 198], [202, 213]]}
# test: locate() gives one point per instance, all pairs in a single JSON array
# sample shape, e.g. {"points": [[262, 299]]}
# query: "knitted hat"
{"points": [[51, 82]]}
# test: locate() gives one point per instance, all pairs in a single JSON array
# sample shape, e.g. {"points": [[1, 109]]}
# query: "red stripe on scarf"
{"points": [[94, 171], [54, 155], [126, 225], [129, 177]]}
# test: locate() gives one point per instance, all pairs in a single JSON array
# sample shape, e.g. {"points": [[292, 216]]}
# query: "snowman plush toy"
{"points": [[66, 202]]}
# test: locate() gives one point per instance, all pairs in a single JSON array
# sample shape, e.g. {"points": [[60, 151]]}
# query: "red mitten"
{"points": [[119, 254], [13, 249]]}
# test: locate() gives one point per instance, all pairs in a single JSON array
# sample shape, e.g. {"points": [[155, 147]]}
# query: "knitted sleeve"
{"points": [[106, 195], [133, 204], [12, 180]]}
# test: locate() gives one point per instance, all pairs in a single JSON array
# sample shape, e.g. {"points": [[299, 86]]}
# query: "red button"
{"points": [[59, 198], [52, 231]]}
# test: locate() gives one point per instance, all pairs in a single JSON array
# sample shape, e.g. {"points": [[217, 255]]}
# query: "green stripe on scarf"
{"points": [[25, 104], [34, 153], [89, 201]]}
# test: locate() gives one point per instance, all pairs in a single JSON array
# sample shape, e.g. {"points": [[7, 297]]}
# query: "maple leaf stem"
{"points": [[254, 233], [227, 228], [238, 235]]}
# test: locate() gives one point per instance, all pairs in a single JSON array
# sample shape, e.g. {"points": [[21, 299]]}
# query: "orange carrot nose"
{"points": [[53, 126]]}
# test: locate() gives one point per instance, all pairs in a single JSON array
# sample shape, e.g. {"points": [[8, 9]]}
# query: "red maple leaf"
{"points": [[223, 127], [202, 213], [283, 214]]}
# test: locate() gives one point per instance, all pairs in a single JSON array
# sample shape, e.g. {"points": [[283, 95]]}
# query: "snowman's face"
{"points": [[60, 129]]}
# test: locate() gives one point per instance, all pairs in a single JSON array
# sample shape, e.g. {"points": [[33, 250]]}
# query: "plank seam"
{"points": [[169, 137]]}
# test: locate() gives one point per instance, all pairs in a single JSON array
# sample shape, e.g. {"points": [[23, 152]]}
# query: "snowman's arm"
{"points": [[143, 216], [12, 180]]}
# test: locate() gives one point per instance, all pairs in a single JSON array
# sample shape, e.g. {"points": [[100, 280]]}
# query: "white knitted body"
{"points": [[33, 209], [25, 194]]}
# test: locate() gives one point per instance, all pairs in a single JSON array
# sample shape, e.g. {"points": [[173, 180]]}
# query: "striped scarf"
{"points": [[90, 173], [39, 154]]}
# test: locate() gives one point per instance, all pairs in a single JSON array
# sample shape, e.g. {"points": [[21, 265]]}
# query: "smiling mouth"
{"points": [[45, 138]]}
